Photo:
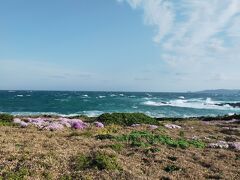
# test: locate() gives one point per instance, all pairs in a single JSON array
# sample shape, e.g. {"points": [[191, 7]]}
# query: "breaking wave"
{"points": [[192, 103]]}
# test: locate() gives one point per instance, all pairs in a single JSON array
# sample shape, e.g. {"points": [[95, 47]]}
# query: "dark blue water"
{"points": [[95, 103]]}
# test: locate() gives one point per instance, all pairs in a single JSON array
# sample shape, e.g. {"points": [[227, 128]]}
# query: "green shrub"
{"points": [[105, 161], [82, 162], [47, 175], [183, 144], [97, 160], [237, 157], [66, 177], [75, 133], [4, 123], [116, 147], [18, 174], [197, 143], [171, 168], [181, 134], [172, 158], [126, 119], [6, 120], [84, 134], [104, 136], [145, 138], [6, 117], [113, 128], [151, 150]]}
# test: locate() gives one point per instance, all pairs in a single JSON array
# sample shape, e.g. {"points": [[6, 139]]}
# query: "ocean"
{"points": [[70, 103]]}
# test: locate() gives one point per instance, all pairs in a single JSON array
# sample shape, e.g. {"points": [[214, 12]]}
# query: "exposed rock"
{"points": [[219, 144], [234, 145], [135, 125], [225, 145], [234, 105], [172, 126], [153, 127]]}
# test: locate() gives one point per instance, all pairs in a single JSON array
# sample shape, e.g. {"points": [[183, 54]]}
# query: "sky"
{"points": [[119, 45]]}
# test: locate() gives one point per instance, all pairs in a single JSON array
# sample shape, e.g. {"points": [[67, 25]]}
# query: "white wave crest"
{"points": [[191, 103], [92, 113], [101, 97]]}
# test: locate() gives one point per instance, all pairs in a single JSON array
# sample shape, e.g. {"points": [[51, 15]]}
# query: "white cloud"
{"points": [[200, 36], [157, 13]]}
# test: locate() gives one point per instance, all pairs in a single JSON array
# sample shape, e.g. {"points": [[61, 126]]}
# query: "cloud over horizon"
{"points": [[196, 35], [130, 45]]}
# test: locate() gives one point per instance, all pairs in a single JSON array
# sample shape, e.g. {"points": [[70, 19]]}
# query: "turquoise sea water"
{"points": [[96, 103]]}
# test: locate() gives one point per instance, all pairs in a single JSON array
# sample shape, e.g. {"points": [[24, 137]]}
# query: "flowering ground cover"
{"points": [[79, 148]]}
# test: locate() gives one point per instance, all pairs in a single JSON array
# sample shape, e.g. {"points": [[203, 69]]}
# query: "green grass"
{"points": [[237, 157], [4, 123], [82, 162], [104, 136], [145, 138], [151, 150], [181, 134], [126, 119], [172, 158], [66, 177], [6, 117], [19, 174], [97, 160], [86, 134], [117, 147], [104, 161], [171, 168], [197, 143], [6, 120]]}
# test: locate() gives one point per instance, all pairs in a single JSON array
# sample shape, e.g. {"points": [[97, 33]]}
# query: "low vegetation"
{"points": [[126, 119], [119, 150], [145, 138], [6, 117], [118, 147], [17, 174], [171, 168], [6, 120], [99, 160]]}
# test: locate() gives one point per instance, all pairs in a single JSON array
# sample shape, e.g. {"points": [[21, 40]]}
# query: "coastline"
{"points": [[111, 146], [159, 105]]}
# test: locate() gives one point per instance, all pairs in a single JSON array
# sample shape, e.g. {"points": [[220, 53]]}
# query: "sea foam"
{"points": [[191, 103]]}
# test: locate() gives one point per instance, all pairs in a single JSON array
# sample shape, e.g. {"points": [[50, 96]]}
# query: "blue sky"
{"points": [[124, 45]]}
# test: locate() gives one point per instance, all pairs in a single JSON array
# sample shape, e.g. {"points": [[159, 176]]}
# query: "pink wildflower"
{"points": [[23, 124], [17, 120], [78, 125], [99, 124], [20, 122], [54, 126]]}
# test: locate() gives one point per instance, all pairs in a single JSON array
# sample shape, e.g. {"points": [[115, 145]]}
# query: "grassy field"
{"points": [[120, 152]]}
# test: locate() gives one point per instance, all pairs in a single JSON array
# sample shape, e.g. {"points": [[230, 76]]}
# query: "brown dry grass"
{"points": [[50, 155]]}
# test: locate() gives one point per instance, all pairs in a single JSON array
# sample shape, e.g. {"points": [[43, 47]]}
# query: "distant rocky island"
{"points": [[221, 91]]}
